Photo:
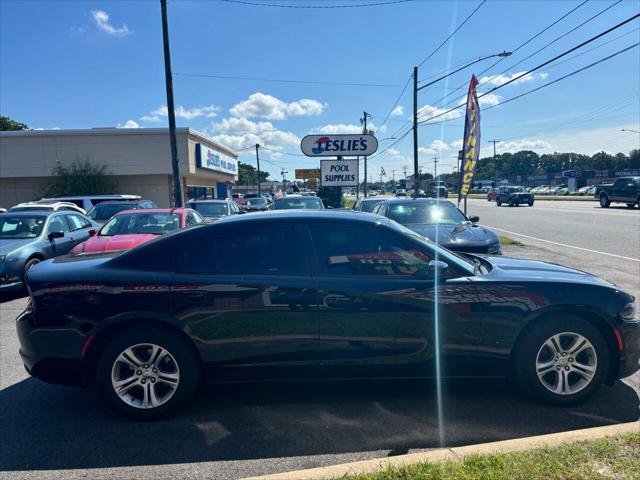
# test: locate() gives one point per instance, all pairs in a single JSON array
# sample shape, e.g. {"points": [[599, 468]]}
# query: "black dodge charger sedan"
{"points": [[317, 294], [442, 222]]}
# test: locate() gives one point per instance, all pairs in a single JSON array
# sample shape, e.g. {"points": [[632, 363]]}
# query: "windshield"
{"points": [[516, 189], [446, 256], [210, 209], [136, 223], [104, 211], [368, 205], [21, 227], [297, 203], [425, 213], [256, 201]]}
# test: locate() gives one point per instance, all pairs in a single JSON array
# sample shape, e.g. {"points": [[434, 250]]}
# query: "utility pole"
{"points": [[175, 165], [415, 130], [363, 120], [495, 165], [258, 163], [435, 168], [283, 173]]}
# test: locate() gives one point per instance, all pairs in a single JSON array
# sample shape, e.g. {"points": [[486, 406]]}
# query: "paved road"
{"points": [[240, 431]]}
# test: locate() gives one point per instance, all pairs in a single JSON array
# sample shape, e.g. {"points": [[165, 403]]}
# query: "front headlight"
{"points": [[628, 312]]}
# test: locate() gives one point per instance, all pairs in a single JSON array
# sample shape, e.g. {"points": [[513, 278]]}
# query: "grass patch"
{"points": [[504, 240], [607, 458]]}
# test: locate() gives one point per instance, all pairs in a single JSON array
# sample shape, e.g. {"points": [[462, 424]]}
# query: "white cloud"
{"points": [[272, 108], [239, 133], [489, 99], [429, 111], [456, 144], [129, 124], [101, 19], [397, 112], [207, 111], [494, 81], [335, 128], [523, 144]]}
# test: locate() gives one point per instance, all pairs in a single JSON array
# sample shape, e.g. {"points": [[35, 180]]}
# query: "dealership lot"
{"points": [[242, 430]]}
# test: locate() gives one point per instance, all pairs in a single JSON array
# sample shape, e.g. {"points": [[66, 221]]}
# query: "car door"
{"points": [[377, 305], [619, 189], [247, 298], [56, 225], [80, 228]]}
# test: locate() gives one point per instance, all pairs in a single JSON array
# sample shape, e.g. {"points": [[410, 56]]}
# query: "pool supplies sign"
{"points": [[339, 173], [339, 145]]}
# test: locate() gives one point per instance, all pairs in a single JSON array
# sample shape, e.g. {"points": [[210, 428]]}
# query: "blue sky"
{"points": [[96, 64]]}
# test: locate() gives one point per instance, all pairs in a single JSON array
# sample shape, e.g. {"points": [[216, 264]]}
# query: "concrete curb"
{"points": [[455, 453]]}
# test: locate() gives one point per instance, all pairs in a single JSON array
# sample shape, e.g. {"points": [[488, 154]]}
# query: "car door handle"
{"points": [[195, 297]]}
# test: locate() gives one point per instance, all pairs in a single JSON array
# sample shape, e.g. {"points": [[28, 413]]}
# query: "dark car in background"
{"points": [[213, 210], [513, 196], [364, 204], [103, 211], [492, 194], [313, 295], [623, 190], [441, 222], [297, 202], [32, 236], [256, 204], [438, 190]]}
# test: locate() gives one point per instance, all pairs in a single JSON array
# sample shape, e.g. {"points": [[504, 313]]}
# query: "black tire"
{"points": [[604, 201], [631, 205], [498, 202], [530, 203], [188, 368], [28, 264], [526, 353]]}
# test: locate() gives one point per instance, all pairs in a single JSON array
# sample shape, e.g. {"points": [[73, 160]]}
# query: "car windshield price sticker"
{"points": [[339, 173]]}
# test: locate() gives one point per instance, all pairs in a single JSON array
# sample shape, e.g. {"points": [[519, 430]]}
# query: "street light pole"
{"points": [[415, 131], [495, 165], [258, 164], [175, 162]]}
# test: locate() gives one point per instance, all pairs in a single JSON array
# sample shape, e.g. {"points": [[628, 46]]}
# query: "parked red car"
{"points": [[491, 195], [130, 228]]}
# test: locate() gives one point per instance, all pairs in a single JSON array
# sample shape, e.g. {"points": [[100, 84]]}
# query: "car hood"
{"points": [[8, 245], [456, 237], [116, 242], [517, 269]]}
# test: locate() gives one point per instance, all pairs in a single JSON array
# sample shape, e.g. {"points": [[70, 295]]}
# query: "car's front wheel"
{"points": [[147, 373], [498, 202], [561, 361], [604, 201], [530, 203]]}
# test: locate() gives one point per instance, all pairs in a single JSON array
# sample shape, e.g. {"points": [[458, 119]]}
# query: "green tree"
{"points": [[81, 177], [247, 174], [7, 124]]}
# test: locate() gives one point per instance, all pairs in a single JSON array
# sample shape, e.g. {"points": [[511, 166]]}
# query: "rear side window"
{"points": [[366, 250], [269, 250]]}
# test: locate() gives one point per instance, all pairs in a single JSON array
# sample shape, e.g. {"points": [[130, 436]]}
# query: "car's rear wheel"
{"points": [[147, 373], [530, 203], [498, 202], [604, 201], [562, 361]]}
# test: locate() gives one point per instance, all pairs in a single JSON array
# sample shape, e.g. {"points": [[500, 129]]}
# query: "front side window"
{"points": [[20, 227], [366, 250], [270, 250], [104, 211], [57, 224], [141, 223]]}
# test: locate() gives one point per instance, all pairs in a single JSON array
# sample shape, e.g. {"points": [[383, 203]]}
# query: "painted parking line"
{"points": [[562, 244]]}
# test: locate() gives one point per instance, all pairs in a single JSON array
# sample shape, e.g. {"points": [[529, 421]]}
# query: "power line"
{"points": [[360, 5], [526, 42], [565, 76], [284, 80], [609, 30], [452, 33], [396, 102]]}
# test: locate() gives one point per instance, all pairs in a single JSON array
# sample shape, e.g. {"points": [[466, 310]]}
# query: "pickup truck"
{"points": [[623, 190]]}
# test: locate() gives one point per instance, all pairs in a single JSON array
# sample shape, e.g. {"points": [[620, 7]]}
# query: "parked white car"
{"points": [[47, 205]]}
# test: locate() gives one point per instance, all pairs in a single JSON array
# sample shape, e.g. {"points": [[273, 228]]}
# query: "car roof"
{"points": [[144, 211], [428, 201], [330, 215], [110, 196], [214, 200], [32, 212]]}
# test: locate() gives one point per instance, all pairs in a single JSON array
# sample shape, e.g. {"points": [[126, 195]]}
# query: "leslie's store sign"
{"points": [[210, 159]]}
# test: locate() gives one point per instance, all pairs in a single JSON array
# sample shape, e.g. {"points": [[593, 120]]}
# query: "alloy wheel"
{"points": [[566, 363], [145, 376]]}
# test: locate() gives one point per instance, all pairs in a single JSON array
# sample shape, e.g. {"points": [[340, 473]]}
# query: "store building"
{"points": [[139, 160]]}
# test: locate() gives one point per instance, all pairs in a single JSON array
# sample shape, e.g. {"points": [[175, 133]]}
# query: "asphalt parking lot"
{"points": [[236, 431]]}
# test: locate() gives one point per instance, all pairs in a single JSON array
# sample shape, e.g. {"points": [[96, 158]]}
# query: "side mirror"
{"points": [[328, 206], [53, 235], [92, 232], [438, 267], [474, 219]]}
